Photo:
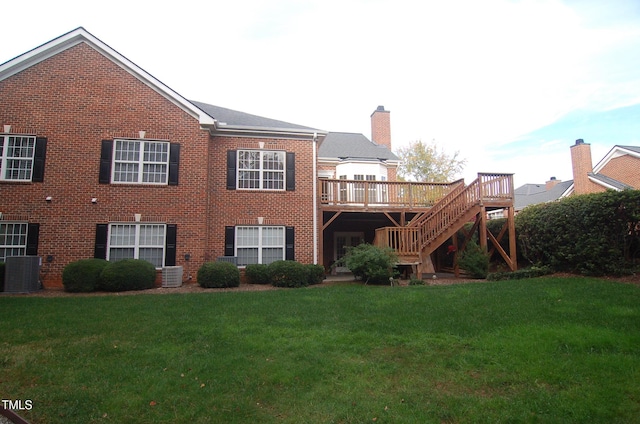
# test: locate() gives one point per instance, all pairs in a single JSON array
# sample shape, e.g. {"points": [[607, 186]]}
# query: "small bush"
{"points": [[128, 274], [520, 274], [370, 263], [1, 276], [215, 275], [474, 261], [415, 281], [257, 274], [83, 275], [289, 274], [316, 274]]}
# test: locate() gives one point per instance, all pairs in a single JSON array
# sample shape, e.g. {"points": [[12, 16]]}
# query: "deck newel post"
{"points": [[513, 254], [482, 236]]}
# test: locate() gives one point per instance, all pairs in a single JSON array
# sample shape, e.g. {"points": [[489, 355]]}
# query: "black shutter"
{"points": [[170, 245], [105, 162], [231, 169], [100, 247], [33, 234], [289, 252], [174, 162], [291, 171], [229, 241], [38, 160]]}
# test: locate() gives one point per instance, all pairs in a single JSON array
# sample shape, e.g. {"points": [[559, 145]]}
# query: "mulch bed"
{"points": [[195, 288]]}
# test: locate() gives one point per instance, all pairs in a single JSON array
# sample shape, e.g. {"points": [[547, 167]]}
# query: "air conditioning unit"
{"points": [[22, 274], [172, 276]]}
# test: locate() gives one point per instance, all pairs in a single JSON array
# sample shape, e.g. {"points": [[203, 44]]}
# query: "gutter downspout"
{"points": [[315, 199]]}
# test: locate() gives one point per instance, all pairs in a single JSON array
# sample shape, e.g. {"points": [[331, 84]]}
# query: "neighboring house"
{"points": [[100, 159], [618, 170]]}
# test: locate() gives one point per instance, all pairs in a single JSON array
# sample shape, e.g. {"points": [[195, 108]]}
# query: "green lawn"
{"points": [[541, 350]]}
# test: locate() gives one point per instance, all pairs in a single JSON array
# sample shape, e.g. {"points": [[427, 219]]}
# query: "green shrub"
{"points": [[218, 275], [128, 274], [1, 276], [592, 234], [474, 260], [316, 274], [289, 274], [370, 263], [519, 274], [257, 274], [415, 281], [83, 275]]}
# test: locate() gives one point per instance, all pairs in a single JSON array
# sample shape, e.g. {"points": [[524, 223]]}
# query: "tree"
{"points": [[427, 162]]}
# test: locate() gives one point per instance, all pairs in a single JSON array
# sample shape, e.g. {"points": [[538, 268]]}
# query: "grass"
{"points": [[542, 350]]}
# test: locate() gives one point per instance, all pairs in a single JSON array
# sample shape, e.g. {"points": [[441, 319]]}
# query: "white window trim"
{"points": [[141, 162], [4, 158], [22, 247], [136, 246], [260, 246], [261, 171]]}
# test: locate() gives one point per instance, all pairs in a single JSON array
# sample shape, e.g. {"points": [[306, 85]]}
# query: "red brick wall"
{"points": [[625, 169], [381, 127], [243, 207], [582, 165], [76, 99]]}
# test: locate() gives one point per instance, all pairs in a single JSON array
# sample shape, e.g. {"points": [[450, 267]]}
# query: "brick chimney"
{"points": [[551, 183], [381, 127], [582, 165]]}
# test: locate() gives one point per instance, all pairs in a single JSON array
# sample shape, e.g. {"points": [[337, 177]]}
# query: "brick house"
{"points": [[618, 170], [100, 159]]}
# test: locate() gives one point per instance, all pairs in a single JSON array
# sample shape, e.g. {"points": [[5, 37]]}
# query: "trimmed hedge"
{"points": [[128, 274], [592, 234], [474, 261], [370, 263], [83, 275], [289, 274], [216, 275], [316, 274], [257, 274]]}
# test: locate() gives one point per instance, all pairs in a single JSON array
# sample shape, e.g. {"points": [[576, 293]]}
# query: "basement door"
{"points": [[342, 241]]}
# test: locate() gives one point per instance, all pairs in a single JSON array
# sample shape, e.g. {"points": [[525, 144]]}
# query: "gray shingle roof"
{"points": [[610, 181], [241, 119], [353, 146], [531, 194]]}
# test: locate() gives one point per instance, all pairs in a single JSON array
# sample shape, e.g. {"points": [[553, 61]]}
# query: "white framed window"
{"points": [[137, 241], [13, 239], [261, 170], [16, 157], [140, 161], [259, 244]]}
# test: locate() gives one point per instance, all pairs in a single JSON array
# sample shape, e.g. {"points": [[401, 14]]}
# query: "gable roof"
{"points": [[81, 35], [233, 122], [342, 145], [609, 183]]}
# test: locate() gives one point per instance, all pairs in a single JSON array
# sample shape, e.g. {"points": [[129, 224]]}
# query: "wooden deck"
{"points": [[443, 209]]}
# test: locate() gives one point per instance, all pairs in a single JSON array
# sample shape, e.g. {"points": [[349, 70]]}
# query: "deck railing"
{"points": [[412, 239], [382, 193]]}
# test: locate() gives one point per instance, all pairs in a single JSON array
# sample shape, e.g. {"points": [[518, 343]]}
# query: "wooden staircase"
{"points": [[415, 242]]}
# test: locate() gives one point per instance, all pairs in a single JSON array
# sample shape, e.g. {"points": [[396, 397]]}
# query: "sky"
{"points": [[509, 84]]}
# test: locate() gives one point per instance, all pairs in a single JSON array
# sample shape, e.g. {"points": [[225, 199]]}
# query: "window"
{"points": [[13, 239], [137, 241], [261, 170], [139, 162], [136, 161], [259, 245], [22, 158]]}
